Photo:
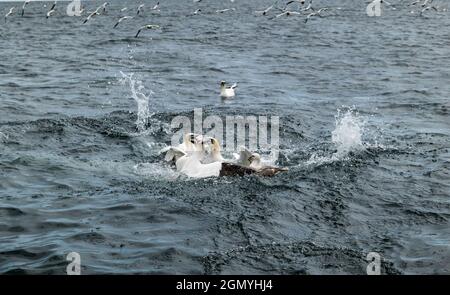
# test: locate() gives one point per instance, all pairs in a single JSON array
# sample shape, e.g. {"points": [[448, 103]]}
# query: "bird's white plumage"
{"points": [[227, 91]]}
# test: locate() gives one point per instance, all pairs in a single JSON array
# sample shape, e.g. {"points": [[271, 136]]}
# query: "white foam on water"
{"points": [[156, 171], [142, 100], [346, 136]]}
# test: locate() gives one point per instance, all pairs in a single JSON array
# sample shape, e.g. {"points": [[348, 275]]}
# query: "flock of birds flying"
{"points": [[90, 15], [424, 5], [278, 9], [418, 7]]}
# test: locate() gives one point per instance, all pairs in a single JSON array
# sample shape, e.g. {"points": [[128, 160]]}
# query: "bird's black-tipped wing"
{"points": [[138, 32]]}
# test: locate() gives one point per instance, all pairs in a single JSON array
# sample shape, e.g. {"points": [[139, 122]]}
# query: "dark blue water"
{"points": [[365, 131]]}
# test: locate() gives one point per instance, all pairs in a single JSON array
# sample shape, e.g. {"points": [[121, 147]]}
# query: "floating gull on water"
{"points": [[227, 91]]}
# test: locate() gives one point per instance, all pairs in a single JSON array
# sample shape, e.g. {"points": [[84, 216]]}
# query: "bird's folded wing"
{"points": [[172, 153]]}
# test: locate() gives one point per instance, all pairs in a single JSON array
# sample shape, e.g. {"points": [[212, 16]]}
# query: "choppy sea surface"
{"points": [[364, 129]]}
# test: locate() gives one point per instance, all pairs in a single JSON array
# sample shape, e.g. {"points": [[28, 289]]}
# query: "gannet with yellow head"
{"points": [[211, 147], [191, 143]]}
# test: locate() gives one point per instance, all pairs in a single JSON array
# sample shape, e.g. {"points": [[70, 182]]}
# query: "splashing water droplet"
{"points": [[348, 132], [142, 100], [346, 136]]}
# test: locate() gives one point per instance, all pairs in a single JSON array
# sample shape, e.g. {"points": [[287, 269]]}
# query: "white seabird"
{"points": [[24, 5], [212, 150], [191, 143], [96, 12], [227, 91], [92, 14], [426, 2], [192, 166], [265, 11], [146, 27], [309, 7], [140, 8], [427, 8], [287, 13], [104, 6], [261, 169], [11, 11], [121, 20], [243, 158], [318, 12], [190, 159], [50, 13], [53, 6], [224, 10], [214, 155]]}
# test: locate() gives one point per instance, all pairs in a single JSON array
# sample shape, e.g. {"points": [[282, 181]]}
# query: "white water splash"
{"points": [[346, 136], [142, 100], [348, 132]]}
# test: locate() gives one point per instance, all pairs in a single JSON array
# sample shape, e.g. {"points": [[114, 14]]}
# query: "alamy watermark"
{"points": [[374, 8], [374, 266], [74, 267], [233, 132], [74, 8]]}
